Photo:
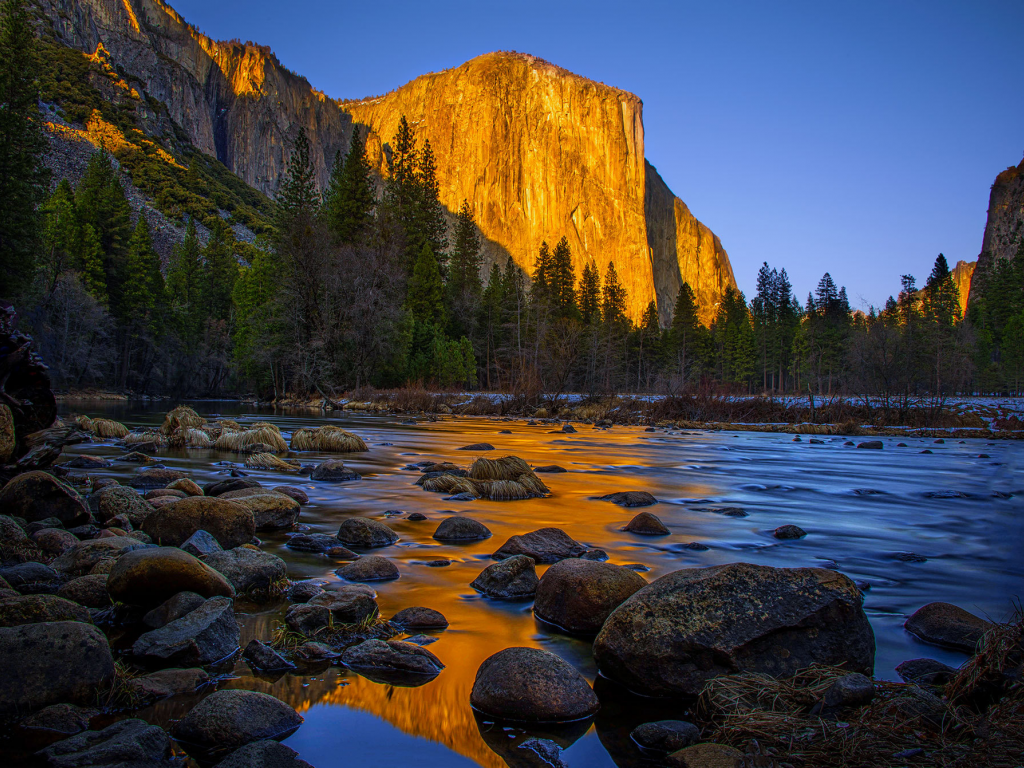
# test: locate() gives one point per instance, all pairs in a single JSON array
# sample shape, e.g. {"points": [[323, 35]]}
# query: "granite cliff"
{"points": [[1003, 227], [537, 151]]}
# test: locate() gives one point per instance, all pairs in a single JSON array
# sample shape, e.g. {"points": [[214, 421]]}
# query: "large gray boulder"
{"points": [[228, 522], [392, 656], [461, 529], [949, 626], [33, 609], [271, 511], [546, 545], [37, 496], [577, 595], [148, 577], [511, 579], [348, 605], [37, 661], [116, 500], [364, 533], [531, 685], [90, 591], [125, 744], [227, 720], [203, 636], [696, 624], [249, 570], [32, 578]]}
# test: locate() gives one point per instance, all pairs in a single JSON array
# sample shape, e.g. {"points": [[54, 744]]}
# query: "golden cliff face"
{"points": [[537, 151], [962, 274]]}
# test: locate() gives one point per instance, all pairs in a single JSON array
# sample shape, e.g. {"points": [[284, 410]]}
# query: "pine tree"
{"points": [[61, 235], [349, 201], [430, 226], [590, 294], [561, 280], [464, 286], [426, 290], [185, 288], [683, 332], [142, 291], [90, 261], [614, 305], [220, 271], [539, 289], [297, 196], [100, 201], [23, 176]]}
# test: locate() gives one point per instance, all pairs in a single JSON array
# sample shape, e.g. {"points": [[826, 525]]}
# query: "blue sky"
{"points": [[859, 138]]}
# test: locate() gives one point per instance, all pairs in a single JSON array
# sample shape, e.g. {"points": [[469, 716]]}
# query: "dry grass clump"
{"points": [[451, 484], [105, 428], [328, 439], [138, 438], [505, 479], [182, 416], [270, 461], [505, 468], [189, 437], [231, 440], [996, 671]]}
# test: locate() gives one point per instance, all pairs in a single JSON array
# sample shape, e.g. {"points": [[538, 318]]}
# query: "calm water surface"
{"points": [[861, 509]]}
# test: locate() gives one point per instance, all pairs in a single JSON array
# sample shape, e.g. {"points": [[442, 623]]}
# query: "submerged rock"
{"points": [[364, 533], [531, 685], [333, 471], [264, 754], [369, 568], [312, 542], [665, 735], [227, 720], [546, 545], [948, 626], [461, 529], [418, 618], [392, 656], [630, 498], [693, 625], [168, 682], [477, 447], [789, 532], [264, 658], [646, 524], [578, 595], [511, 579]]}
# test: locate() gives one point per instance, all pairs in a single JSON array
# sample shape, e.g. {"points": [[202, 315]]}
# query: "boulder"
{"points": [[148, 577], [348, 605], [947, 625], [707, 755], [158, 493], [925, 672], [363, 533], [511, 579], [304, 591], [552, 468], [369, 568], [646, 524], [307, 619], [201, 543], [38, 495], [875, 445], [229, 523], [264, 754], [477, 447], [203, 636], [312, 542], [32, 578], [173, 608], [53, 723], [263, 658], [54, 541], [33, 679], [578, 595], [232, 484], [630, 498], [229, 719], [156, 477], [461, 529], [693, 625], [333, 471], [271, 511], [12, 534], [852, 690], [167, 682], [32, 609], [249, 570], [665, 735], [789, 532], [86, 462], [186, 485], [86, 555], [392, 656], [296, 493], [546, 545], [125, 744], [531, 685], [418, 619], [90, 591]]}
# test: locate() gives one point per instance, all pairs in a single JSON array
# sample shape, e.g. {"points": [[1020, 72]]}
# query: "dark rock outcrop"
{"points": [[149, 577], [545, 545], [227, 720], [578, 595], [512, 579]]}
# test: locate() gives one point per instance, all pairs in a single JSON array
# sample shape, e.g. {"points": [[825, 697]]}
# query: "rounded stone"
{"points": [[709, 755], [38, 496], [665, 735], [249, 570], [55, 541], [369, 568], [227, 720], [186, 485], [646, 524], [630, 498], [271, 511], [578, 595], [231, 484], [418, 618], [116, 500], [90, 591], [156, 477], [333, 471], [789, 532], [148, 577], [296, 493], [364, 533], [230, 523], [546, 545], [531, 685], [33, 609], [512, 579], [948, 625], [461, 529]]}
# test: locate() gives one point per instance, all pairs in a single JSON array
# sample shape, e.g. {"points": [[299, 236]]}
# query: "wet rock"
{"points": [[464, 496], [853, 690], [86, 555], [264, 754], [598, 555], [174, 608], [53, 723], [926, 451], [248, 570], [333, 471], [126, 744], [167, 682], [32, 609], [148, 577], [630, 498], [947, 625], [271, 511], [392, 656], [789, 532], [188, 486], [227, 720], [461, 529], [646, 524], [915, 708], [228, 522], [417, 619], [871, 445], [578, 595], [552, 468], [307, 619], [292, 492], [439, 563], [511, 579], [369, 568], [304, 591], [54, 541], [200, 637], [531, 685], [729, 511], [364, 533], [696, 546], [707, 755], [417, 517], [546, 545], [568, 429], [201, 543], [477, 447], [665, 735], [925, 672], [312, 542], [263, 658], [231, 484], [90, 591], [33, 679], [38, 496], [313, 652], [670, 637], [12, 534], [156, 477], [348, 605], [32, 578], [86, 462], [159, 493]]}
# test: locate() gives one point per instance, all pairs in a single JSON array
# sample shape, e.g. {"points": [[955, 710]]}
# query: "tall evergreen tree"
{"points": [[349, 200], [100, 202], [590, 294], [430, 225], [561, 280], [143, 285], [540, 279], [297, 197], [683, 333], [61, 235], [220, 271], [23, 177], [185, 288], [90, 264], [426, 290], [613, 307], [464, 285]]}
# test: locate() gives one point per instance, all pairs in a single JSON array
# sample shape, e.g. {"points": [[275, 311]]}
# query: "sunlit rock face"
{"points": [[1005, 218], [537, 151], [962, 274]]}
